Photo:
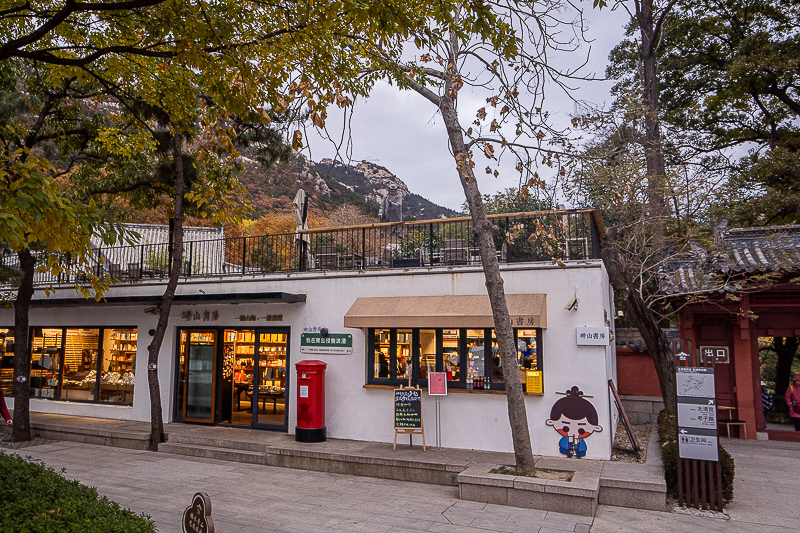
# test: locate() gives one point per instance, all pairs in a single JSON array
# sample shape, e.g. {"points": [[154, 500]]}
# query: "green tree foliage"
{"points": [[729, 94], [511, 201]]}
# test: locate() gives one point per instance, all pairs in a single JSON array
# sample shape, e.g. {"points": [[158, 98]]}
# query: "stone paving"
{"points": [[257, 498]]}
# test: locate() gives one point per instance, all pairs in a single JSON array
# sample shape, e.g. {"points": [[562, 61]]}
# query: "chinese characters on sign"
{"points": [[587, 336], [195, 316], [253, 318], [524, 321], [534, 382], [332, 343], [709, 353], [407, 408], [197, 517], [697, 413]]}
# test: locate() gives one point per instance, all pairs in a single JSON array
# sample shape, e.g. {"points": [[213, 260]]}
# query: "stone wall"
{"points": [[642, 409]]}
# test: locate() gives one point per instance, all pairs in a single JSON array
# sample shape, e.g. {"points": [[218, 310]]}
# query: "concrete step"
{"points": [[354, 464], [135, 440], [217, 442], [212, 452]]}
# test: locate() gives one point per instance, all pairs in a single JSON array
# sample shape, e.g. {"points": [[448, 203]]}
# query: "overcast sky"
{"points": [[402, 132]]}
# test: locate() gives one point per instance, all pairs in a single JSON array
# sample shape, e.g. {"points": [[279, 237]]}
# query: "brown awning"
{"points": [[473, 311]]}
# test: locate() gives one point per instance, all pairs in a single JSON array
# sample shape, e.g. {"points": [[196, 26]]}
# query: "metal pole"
{"points": [[438, 424]]}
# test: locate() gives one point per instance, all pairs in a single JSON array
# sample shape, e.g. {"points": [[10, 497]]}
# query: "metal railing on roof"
{"points": [[566, 235]]}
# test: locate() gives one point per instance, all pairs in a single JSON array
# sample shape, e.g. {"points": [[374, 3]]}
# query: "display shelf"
{"points": [[123, 349]]}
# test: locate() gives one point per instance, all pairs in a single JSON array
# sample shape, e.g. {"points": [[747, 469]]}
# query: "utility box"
{"points": [[310, 401]]}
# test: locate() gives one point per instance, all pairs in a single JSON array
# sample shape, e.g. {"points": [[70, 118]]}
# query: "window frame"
{"points": [[461, 382], [58, 390]]}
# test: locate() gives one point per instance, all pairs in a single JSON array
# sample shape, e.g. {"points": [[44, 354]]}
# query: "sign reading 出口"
{"points": [[332, 343]]}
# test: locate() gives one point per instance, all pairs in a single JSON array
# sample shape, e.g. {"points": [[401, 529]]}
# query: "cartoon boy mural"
{"points": [[575, 419]]}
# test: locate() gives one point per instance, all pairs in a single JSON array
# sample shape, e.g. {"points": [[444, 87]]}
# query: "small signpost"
{"points": [[408, 414], [697, 413], [699, 470], [437, 386], [197, 517]]}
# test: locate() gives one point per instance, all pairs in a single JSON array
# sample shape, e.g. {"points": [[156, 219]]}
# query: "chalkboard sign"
{"points": [[407, 409]]}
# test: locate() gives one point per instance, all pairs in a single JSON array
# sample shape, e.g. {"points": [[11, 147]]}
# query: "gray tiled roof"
{"points": [[735, 253]]}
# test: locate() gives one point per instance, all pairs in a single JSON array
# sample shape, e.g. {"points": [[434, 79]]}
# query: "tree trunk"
{"points": [[21, 431], [504, 331], [643, 318], [786, 348], [653, 149], [157, 435]]}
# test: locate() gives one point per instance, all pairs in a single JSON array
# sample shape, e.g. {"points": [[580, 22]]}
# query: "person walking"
{"points": [[793, 401], [766, 401], [4, 410]]}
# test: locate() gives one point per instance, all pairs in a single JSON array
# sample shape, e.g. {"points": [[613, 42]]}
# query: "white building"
{"points": [[233, 340]]}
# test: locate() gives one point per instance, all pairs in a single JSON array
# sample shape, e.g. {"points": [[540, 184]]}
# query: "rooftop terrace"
{"points": [[545, 236]]}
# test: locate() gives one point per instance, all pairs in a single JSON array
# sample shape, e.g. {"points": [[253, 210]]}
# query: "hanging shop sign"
{"points": [[332, 343], [587, 336]]}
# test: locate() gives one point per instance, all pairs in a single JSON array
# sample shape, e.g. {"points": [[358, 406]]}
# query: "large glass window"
{"points": [[7, 360], [84, 364], [80, 364], [470, 357], [46, 352]]}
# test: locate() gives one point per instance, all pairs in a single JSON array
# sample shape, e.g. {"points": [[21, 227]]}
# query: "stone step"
{"points": [[211, 452], [135, 440], [217, 442], [403, 470]]}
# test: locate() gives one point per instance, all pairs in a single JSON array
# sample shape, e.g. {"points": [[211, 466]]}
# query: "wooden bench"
{"points": [[739, 423]]}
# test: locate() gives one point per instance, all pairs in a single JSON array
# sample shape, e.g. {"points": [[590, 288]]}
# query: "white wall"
{"points": [[469, 420]]}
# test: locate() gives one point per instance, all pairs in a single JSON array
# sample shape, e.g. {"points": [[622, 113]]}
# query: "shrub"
{"points": [[37, 499], [667, 435]]}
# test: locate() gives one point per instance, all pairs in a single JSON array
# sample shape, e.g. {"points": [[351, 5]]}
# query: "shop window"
{"points": [[470, 357], [7, 360], [451, 348], [403, 358], [118, 366], [476, 338], [380, 354], [46, 352], [427, 350], [80, 364], [84, 364]]}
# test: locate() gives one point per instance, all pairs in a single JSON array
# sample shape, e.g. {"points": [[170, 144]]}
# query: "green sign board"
{"points": [[332, 343]]}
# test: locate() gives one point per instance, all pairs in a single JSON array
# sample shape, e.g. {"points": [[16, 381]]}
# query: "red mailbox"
{"points": [[310, 401]]}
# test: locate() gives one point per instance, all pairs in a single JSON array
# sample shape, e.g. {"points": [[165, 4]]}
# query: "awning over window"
{"points": [[473, 311]]}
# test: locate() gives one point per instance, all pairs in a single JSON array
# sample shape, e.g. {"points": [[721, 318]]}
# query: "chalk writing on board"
{"points": [[407, 408]]}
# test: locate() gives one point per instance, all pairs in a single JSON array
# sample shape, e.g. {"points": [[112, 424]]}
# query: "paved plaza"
{"points": [[257, 498]]}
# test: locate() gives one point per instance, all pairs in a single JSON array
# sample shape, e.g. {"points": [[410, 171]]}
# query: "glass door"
{"points": [[198, 351], [270, 390]]}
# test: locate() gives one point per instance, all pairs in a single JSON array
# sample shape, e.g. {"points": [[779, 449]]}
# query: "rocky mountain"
{"points": [[329, 185], [372, 182]]}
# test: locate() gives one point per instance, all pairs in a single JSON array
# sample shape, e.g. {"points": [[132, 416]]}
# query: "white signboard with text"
{"points": [[587, 336]]}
